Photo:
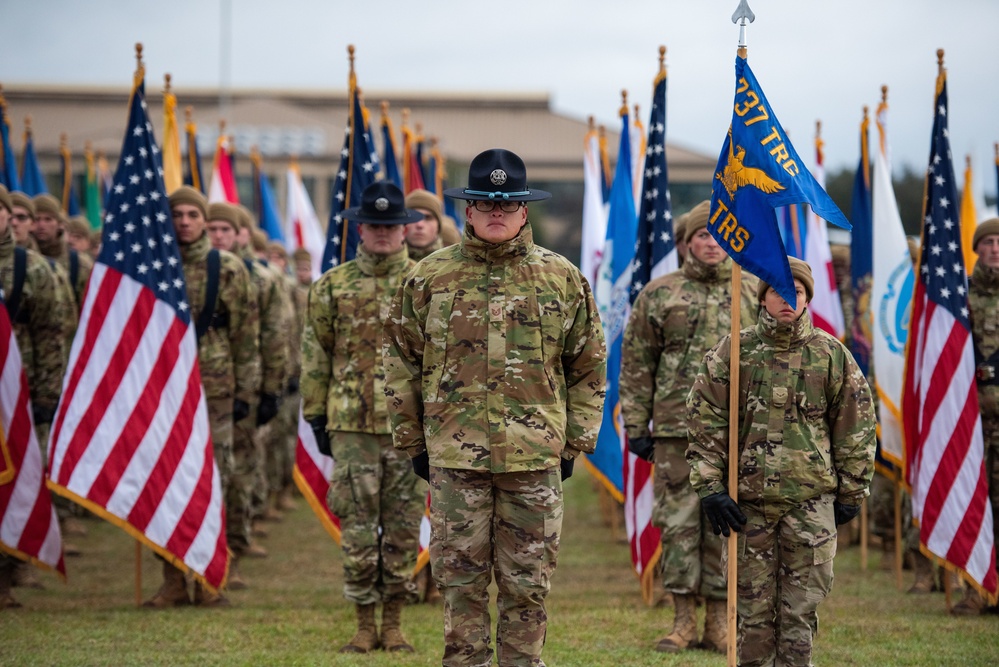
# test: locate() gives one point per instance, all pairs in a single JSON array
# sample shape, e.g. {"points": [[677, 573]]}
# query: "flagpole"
{"points": [[351, 92], [743, 16], [138, 78]]}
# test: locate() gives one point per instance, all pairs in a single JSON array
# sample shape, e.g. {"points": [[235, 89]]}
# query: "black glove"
{"points": [[268, 408], [723, 512], [240, 410], [318, 425], [421, 465], [42, 415], [844, 513], [643, 448], [565, 468], [292, 385]]}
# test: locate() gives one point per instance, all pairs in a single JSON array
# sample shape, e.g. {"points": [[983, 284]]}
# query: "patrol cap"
{"points": [[697, 219], [78, 225], [46, 204], [987, 228], [185, 194], [424, 199], [301, 255], [800, 270], [24, 201], [382, 203], [5, 199], [246, 217], [258, 240], [278, 249], [840, 253], [497, 174], [225, 212], [680, 228], [449, 231]]}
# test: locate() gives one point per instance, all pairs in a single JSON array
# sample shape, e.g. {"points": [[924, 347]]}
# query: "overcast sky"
{"points": [[816, 60]]}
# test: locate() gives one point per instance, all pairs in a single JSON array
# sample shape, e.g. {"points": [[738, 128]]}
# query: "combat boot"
{"points": [[25, 577], [285, 501], [205, 598], [173, 592], [256, 550], [888, 555], [925, 581], [366, 638], [716, 627], [7, 600], [973, 604], [392, 638], [684, 633], [235, 582]]}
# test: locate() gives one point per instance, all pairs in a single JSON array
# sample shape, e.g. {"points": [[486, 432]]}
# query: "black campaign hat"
{"points": [[382, 203], [497, 174]]}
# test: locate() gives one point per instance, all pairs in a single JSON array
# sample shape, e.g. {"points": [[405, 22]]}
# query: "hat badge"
{"points": [[497, 177], [382, 204]]}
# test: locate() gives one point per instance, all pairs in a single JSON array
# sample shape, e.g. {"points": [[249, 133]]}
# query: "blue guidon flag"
{"points": [[758, 171]]}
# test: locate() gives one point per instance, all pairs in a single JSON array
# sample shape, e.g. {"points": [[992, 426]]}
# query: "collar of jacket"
{"points": [[985, 278], [695, 269], [519, 246], [420, 253], [784, 336], [195, 251], [380, 265], [7, 243]]}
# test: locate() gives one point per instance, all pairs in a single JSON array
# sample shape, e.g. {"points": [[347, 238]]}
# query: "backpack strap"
{"points": [[13, 300], [74, 272], [211, 293]]}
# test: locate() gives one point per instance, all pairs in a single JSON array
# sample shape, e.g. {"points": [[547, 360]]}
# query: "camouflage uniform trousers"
{"points": [[504, 524], [260, 489], [882, 506], [692, 560], [281, 450], [380, 503], [223, 440], [785, 570]]}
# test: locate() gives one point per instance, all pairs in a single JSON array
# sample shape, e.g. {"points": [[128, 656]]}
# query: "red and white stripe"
{"points": [[825, 308], [639, 502], [944, 444], [222, 187], [313, 472], [302, 228], [131, 440], [29, 529]]}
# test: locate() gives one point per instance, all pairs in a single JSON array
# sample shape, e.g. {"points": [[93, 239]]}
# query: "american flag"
{"points": [[359, 168], [29, 529], [943, 429], [130, 440], [313, 472], [655, 255]]}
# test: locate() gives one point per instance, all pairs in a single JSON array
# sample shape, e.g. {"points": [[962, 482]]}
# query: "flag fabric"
{"points": [[32, 179], [264, 202], [130, 440], [222, 187], [612, 296], [29, 528], [594, 209], [825, 307], [8, 165], [637, 156], [792, 230], [173, 177], [606, 175], [302, 224], [944, 447], [104, 176], [969, 219], [312, 473], [193, 174], [436, 169], [412, 170], [891, 298], [655, 255], [358, 169], [92, 192], [759, 170], [388, 141], [862, 255], [70, 200]]}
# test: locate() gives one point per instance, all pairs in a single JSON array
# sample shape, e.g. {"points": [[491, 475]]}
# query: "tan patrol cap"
{"points": [[800, 271], [185, 194], [225, 212]]}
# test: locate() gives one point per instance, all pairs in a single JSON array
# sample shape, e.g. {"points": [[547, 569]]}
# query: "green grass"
{"points": [[294, 614]]}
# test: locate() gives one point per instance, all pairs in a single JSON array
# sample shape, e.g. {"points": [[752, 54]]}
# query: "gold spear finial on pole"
{"points": [[662, 58], [350, 57], [166, 83], [940, 59], [27, 125], [592, 125], [624, 103], [189, 114], [884, 94], [384, 107]]}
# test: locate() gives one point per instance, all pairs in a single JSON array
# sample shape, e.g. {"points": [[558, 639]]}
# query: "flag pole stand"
{"points": [[897, 501], [138, 573]]}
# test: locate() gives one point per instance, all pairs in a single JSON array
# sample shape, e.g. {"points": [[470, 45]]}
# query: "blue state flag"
{"points": [[392, 174], [270, 221], [8, 166], [612, 297], [358, 169], [32, 179], [758, 171]]}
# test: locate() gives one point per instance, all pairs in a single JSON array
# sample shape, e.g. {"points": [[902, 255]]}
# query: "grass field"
{"points": [[294, 613]]}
